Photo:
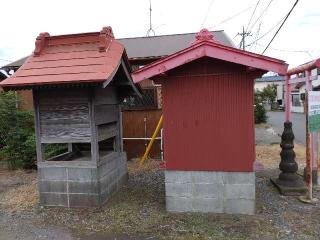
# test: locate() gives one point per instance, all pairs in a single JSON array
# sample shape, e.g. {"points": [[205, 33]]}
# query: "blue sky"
{"points": [[296, 43]]}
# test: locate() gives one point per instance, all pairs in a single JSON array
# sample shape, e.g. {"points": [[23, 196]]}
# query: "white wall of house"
{"points": [[296, 102]]}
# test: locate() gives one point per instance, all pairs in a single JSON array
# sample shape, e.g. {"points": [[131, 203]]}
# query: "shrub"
{"points": [[51, 150], [17, 140], [260, 115]]}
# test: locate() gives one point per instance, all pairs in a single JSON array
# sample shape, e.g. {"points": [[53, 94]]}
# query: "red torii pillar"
{"points": [[288, 182]]}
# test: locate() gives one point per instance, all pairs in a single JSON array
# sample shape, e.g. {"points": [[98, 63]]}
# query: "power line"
{"points": [[266, 33], [254, 11], [6, 60], [289, 50], [262, 13], [294, 5], [256, 37], [206, 16], [230, 18]]}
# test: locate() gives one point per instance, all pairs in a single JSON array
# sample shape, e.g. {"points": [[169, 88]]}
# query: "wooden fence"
{"points": [[140, 124]]}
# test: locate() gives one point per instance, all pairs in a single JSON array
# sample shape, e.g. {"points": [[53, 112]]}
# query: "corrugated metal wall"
{"points": [[208, 117]]}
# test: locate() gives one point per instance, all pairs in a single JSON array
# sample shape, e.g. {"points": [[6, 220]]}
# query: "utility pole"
{"points": [[243, 35]]}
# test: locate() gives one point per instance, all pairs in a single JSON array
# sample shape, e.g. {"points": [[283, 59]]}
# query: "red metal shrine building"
{"points": [[209, 143]]}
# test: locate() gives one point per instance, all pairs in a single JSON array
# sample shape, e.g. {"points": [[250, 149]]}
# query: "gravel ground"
{"points": [[266, 135], [137, 211], [292, 218]]}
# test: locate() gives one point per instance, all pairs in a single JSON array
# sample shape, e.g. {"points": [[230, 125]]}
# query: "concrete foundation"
{"points": [[81, 183], [216, 192]]}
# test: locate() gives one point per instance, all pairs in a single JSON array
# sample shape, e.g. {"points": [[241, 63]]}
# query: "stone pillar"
{"points": [[288, 182]]}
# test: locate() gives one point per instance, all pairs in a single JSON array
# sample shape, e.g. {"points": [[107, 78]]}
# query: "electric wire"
{"points": [[232, 17], [254, 11], [207, 13], [267, 32], [294, 5], [289, 50], [256, 37], [261, 15], [6, 60]]}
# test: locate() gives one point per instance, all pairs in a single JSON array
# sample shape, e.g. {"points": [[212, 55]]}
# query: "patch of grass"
{"points": [[21, 198]]}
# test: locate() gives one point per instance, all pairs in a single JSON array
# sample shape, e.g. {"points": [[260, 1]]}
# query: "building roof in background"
{"points": [[270, 79], [16, 64], [152, 47], [159, 46], [3, 75], [76, 58], [205, 45]]}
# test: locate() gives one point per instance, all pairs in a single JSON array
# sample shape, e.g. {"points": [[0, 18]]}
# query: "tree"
{"points": [[260, 115], [17, 140], [269, 94]]}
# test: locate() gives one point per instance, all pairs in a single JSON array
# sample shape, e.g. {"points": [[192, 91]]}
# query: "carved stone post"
{"points": [[288, 182]]}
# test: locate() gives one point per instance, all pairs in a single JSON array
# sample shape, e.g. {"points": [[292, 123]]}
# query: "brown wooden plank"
{"points": [[53, 106], [133, 127], [106, 131], [61, 132], [106, 96], [106, 114], [64, 117], [39, 149], [94, 138]]}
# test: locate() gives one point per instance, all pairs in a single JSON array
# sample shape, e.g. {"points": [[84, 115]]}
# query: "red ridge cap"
{"points": [[204, 35], [105, 37], [40, 43]]}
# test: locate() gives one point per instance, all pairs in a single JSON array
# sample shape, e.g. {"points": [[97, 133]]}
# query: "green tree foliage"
{"points": [[260, 115], [269, 94], [17, 140]]}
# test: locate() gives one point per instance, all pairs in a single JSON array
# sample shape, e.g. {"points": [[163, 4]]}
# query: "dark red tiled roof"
{"points": [[77, 58]]}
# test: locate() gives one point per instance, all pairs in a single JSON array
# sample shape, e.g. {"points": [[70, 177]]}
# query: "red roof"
{"points": [[76, 58], [206, 46]]}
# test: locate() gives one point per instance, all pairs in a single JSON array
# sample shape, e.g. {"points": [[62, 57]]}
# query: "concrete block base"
{"points": [[81, 184], [215, 192]]}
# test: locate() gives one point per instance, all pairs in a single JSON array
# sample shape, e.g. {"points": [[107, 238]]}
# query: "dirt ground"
{"points": [[269, 155], [138, 211]]}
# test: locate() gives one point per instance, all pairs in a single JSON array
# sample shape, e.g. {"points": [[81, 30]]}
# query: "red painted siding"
{"points": [[208, 117]]}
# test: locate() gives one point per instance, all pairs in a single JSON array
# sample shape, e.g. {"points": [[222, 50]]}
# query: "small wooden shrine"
{"points": [[78, 82]]}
